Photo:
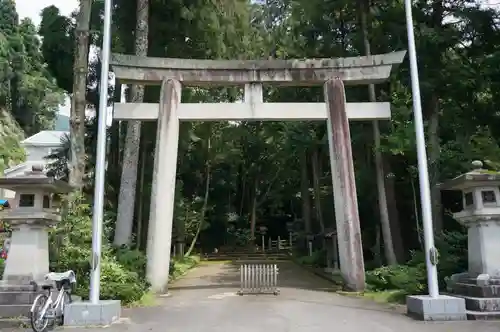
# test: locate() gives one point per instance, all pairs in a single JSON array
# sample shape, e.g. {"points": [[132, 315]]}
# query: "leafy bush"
{"points": [[133, 260], [71, 243], [318, 259], [178, 267], [239, 236], [2, 266], [411, 278], [452, 248]]}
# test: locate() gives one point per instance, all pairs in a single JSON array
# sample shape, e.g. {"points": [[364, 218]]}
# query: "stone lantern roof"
{"points": [[478, 177], [36, 178]]}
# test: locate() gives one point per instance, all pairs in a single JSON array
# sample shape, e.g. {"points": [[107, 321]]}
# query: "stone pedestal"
{"points": [[484, 247], [28, 258], [85, 314], [441, 308]]}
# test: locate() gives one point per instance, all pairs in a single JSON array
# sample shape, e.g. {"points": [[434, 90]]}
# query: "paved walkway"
{"points": [[205, 301]]}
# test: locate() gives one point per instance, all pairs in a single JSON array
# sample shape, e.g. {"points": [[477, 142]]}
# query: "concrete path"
{"points": [[205, 301]]}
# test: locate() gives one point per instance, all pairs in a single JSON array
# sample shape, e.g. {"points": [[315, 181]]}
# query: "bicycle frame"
{"points": [[58, 303]]}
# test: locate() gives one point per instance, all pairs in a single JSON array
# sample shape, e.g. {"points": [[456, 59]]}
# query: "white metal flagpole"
{"points": [[100, 165], [423, 172]]}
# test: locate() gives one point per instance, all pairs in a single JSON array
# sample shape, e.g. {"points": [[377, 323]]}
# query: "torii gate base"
{"points": [[333, 73]]}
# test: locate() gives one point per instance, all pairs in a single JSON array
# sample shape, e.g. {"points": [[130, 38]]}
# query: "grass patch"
{"points": [[147, 300], [216, 262], [387, 296], [182, 266]]}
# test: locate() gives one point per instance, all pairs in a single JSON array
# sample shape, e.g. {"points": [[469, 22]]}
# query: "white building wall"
{"points": [[38, 153]]}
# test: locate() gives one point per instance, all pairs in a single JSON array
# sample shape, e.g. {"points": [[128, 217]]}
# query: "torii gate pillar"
{"points": [[344, 187], [163, 189]]}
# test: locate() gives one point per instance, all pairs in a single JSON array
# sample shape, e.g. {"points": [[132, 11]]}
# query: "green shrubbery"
{"points": [[179, 266], [122, 270], [411, 278], [318, 259]]}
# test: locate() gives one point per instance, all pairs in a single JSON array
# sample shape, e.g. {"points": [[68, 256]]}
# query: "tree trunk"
{"points": [[126, 198], [390, 255], [253, 213], [78, 100], [392, 206], [377, 257], [205, 201], [181, 237], [243, 190], [114, 164], [140, 209], [304, 193], [434, 150], [317, 192], [434, 154], [417, 216]]}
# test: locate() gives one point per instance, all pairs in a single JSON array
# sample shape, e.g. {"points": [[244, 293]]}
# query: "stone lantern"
{"points": [[263, 230], [332, 261], [310, 239], [290, 228], [480, 285], [33, 210]]}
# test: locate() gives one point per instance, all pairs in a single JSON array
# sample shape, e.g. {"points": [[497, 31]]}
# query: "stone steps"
{"points": [[14, 310], [17, 322], [474, 280], [246, 255], [16, 300], [482, 315], [4, 287], [17, 297], [480, 304], [471, 290], [215, 257], [18, 315]]}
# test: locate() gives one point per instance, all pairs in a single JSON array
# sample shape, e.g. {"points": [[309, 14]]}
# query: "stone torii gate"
{"points": [[172, 74]]}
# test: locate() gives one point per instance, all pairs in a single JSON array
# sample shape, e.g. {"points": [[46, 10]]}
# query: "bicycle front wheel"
{"points": [[39, 319]]}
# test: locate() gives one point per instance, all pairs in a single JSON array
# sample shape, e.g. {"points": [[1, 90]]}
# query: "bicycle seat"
{"points": [[61, 276]]}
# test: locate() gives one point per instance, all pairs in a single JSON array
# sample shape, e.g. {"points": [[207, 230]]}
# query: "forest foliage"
{"points": [[274, 173]]}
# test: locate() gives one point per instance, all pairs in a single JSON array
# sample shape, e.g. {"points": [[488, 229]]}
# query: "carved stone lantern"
{"points": [[263, 231], [480, 213], [330, 236], [290, 228], [310, 239], [33, 210]]}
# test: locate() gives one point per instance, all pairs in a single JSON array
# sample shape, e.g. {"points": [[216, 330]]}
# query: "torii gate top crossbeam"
{"points": [[355, 70]]}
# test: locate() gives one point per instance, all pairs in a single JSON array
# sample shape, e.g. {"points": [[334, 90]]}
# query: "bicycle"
{"points": [[45, 312]]}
